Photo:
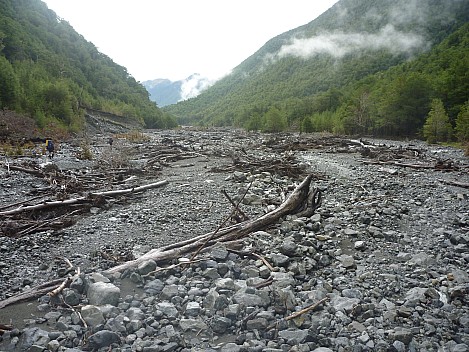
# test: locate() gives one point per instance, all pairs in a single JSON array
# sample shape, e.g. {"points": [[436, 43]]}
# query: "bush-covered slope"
{"points": [[397, 101], [305, 69], [49, 71]]}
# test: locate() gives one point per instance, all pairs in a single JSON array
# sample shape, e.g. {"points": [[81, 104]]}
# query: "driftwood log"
{"points": [[71, 201], [439, 165], [32, 293], [303, 201], [455, 183]]}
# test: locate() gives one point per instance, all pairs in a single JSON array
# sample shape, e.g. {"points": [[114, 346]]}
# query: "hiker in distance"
{"points": [[50, 147]]}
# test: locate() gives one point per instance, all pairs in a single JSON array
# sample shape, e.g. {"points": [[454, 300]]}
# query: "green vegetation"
{"points": [[437, 127], [462, 123], [379, 87], [51, 73]]}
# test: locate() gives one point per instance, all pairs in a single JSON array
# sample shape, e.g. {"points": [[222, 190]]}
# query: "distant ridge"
{"points": [[166, 92]]}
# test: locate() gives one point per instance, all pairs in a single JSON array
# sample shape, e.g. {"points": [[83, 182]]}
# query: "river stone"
{"points": [[147, 267], [250, 299], [154, 286], [344, 304], [192, 309], [168, 309], [192, 325], [92, 315], [347, 261], [288, 248], [401, 334], [279, 259], [34, 336], [103, 338], [220, 324], [296, 336], [101, 293]]}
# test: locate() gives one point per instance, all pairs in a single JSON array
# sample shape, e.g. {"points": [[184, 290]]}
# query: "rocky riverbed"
{"points": [[382, 265]]}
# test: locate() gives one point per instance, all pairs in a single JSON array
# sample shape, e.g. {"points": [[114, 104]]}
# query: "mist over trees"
{"points": [[362, 68]]}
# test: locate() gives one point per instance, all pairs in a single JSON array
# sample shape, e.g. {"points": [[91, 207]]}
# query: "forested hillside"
{"points": [[364, 66], [51, 73]]}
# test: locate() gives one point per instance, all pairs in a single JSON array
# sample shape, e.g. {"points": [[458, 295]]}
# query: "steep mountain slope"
{"points": [[352, 40], [51, 73]]}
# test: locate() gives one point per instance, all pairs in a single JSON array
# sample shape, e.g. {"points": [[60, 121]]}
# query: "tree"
{"points": [[403, 103], [254, 123], [275, 121], [358, 117], [9, 85], [462, 123], [437, 127], [307, 125]]}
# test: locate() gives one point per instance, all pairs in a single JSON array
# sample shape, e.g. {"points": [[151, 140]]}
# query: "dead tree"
{"points": [[72, 201]]}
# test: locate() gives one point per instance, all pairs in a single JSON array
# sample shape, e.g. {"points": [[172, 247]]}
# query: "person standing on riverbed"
{"points": [[50, 147]]}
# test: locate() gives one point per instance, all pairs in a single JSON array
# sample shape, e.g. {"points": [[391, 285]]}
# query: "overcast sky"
{"points": [[176, 38]]}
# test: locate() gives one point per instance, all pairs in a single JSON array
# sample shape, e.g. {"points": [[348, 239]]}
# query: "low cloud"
{"points": [[194, 85], [339, 44]]}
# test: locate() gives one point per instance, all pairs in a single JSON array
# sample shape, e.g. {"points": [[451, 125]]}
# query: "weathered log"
{"points": [[19, 203], [439, 165], [455, 183], [32, 293], [302, 201], [85, 199], [397, 163], [22, 169], [300, 312]]}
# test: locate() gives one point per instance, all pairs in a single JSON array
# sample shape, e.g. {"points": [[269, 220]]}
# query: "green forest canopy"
{"points": [[369, 91], [51, 73]]}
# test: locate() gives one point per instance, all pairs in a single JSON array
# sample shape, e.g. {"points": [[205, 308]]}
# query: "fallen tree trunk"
{"points": [[22, 169], [32, 293], [455, 183], [71, 201], [302, 202]]}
